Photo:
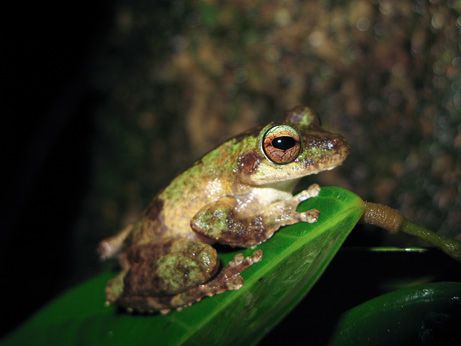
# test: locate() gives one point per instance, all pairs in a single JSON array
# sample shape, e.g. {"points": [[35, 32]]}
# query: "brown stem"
{"points": [[382, 216], [393, 221]]}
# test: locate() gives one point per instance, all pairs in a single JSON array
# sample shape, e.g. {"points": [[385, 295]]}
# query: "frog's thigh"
{"points": [[170, 268]]}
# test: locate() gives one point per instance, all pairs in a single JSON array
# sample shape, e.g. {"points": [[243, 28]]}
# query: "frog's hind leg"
{"points": [[157, 272], [229, 278], [109, 247]]}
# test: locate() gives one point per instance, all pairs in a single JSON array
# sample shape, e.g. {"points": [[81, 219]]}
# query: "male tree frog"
{"points": [[238, 194]]}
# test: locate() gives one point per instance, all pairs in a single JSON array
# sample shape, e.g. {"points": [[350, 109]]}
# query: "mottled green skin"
{"points": [[235, 195]]}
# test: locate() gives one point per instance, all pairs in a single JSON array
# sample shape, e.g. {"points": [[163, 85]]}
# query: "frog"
{"points": [[237, 195]]}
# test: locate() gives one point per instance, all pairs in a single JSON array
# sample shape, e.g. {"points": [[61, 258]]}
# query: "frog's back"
{"points": [[170, 212]]}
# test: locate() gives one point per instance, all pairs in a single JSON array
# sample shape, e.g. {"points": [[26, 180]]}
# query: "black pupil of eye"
{"points": [[283, 143]]}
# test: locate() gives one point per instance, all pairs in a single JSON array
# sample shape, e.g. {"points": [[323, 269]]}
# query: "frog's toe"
{"points": [[312, 191], [235, 284], [238, 258], [105, 250]]}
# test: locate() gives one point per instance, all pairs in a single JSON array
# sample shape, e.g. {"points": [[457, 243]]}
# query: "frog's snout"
{"points": [[325, 151], [339, 149], [339, 145], [327, 144]]}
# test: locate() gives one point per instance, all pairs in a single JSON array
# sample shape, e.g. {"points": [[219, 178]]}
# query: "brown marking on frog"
{"points": [[243, 231], [154, 219], [141, 278], [144, 278], [154, 209], [248, 162]]}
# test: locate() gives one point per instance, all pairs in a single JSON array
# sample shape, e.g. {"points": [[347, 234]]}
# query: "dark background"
{"points": [[100, 101], [48, 127]]}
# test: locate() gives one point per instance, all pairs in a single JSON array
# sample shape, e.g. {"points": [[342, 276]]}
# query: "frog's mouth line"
{"points": [[293, 176]]}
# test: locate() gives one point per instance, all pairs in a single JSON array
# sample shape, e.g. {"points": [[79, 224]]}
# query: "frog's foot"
{"points": [[228, 279], [309, 216], [105, 250], [111, 246], [285, 211]]}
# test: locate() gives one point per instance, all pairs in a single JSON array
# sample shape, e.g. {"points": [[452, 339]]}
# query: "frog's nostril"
{"points": [[333, 143], [337, 143]]}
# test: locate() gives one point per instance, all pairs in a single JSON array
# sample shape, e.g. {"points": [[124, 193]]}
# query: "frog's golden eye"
{"points": [[281, 144]]}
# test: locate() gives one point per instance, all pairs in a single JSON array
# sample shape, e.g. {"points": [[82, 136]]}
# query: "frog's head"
{"points": [[290, 150]]}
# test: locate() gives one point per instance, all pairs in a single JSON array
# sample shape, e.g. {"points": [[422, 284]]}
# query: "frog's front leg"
{"points": [[226, 222]]}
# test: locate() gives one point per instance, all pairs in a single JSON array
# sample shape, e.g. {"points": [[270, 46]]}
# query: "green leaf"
{"points": [[293, 261], [428, 314]]}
